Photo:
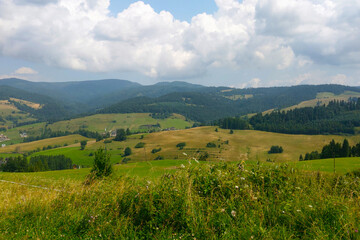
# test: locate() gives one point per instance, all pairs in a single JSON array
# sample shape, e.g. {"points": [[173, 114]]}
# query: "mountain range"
{"points": [[63, 100]]}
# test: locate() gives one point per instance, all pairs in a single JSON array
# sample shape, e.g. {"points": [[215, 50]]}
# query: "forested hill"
{"points": [[335, 118], [216, 103], [51, 110], [201, 107]]}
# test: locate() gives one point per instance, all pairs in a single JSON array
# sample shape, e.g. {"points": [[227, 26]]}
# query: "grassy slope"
{"points": [[133, 121], [243, 145], [321, 99], [25, 147]]}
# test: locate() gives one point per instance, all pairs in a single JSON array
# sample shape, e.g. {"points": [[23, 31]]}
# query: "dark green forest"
{"points": [[335, 118], [35, 164]]}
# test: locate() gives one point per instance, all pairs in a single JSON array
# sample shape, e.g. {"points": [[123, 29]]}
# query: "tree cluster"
{"points": [[334, 150], [36, 163], [337, 117], [276, 149]]}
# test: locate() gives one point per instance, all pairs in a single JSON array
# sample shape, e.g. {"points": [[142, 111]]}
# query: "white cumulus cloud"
{"points": [[248, 34], [25, 70]]}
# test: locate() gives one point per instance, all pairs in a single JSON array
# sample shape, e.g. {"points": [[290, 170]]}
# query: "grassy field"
{"points": [[242, 145], [342, 165], [204, 201], [133, 121], [25, 147]]}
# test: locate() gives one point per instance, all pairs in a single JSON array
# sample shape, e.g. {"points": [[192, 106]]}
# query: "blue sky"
{"points": [[249, 43], [181, 9]]}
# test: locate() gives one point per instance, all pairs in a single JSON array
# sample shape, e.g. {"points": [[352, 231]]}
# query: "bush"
{"points": [[140, 145], [181, 145], [83, 144], [211, 145], [125, 160], [276, 149], [102, 166], [155, 150], [159, 158], [127, 152]]}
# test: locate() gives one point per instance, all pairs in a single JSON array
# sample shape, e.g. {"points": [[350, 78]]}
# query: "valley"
{"points": [[177, 153]]}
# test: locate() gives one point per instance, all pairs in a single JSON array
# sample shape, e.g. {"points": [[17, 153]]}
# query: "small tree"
{"points": [[102, 166], [231, 131], [127, 152], [128, 132], [120, 135], [83, 144], [181, 145]]}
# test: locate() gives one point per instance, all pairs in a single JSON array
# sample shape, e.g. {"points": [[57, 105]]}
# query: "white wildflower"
{"points": [[242, 178], [237, 187], [184, 154], [310, 206], [233, 213]]}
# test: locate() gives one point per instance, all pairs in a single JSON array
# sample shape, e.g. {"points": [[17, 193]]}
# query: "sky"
{"points": [[237, 43]]}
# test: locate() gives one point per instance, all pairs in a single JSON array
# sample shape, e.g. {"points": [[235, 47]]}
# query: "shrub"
{"points": [[125, 160], [108, 141], [102, 166], [276, 149], [83, 144], [211, 145], [159, 158], [155, 150], [127, 152], [140, 145], [181, 145]]}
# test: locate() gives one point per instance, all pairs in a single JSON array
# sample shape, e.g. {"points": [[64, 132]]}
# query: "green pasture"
{"points": [[133, 121]]}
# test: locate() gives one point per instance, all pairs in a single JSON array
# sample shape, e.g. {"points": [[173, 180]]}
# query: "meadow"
{"points": [[247, 145], [133, 121], [197, 201]]}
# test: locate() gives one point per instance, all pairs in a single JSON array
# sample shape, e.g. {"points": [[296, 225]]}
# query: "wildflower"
{"points": [[310, 206], [185, 154], [356, 230], [242, 178], [298, 210], [233, 213], [222, 210], [283, 212], [182, 166], [237, 187]]}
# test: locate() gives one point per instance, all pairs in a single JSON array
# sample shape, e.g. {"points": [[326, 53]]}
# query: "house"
{"points": [[3, 138], [23, 135], [113, 133]]}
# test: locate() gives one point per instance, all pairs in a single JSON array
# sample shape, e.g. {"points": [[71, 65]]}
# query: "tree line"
{"points": [[334, 150], [334, 118], [35, 164]]}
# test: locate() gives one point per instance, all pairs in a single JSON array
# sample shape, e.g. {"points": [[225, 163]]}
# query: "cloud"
{"points": [[251, 34], [25, 70], [255, 82]]}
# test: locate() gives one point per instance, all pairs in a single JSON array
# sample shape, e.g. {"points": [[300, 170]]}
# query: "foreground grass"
{"points": [[342, 165], [208, 201]]}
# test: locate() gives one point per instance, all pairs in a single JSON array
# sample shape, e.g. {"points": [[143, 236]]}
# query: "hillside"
{"points": [[206, 106], [37, 106]]}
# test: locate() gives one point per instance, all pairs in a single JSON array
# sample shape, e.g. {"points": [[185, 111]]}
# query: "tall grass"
{"points": [[210, 201]]}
